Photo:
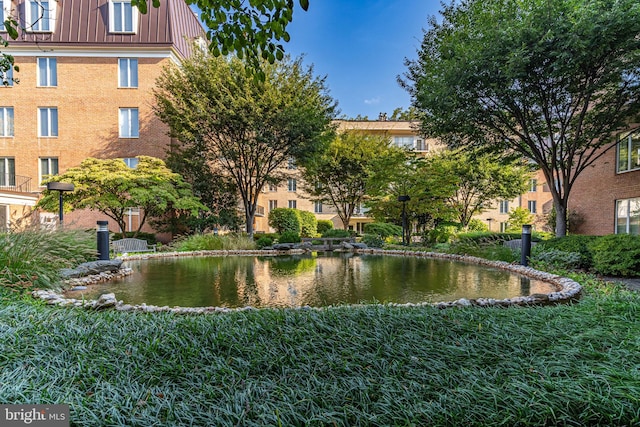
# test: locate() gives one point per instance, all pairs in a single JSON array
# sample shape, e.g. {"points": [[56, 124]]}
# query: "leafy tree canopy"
{"points": [[247, 129], [354, 165], [549, 80], [111, 187]]}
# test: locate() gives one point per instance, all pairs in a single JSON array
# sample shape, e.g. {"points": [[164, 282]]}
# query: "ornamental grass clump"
{"points": [[212, 242], [34, 258]]}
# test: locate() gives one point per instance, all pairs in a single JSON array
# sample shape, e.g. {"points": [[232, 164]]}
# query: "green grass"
{"points": [[560, 365]]}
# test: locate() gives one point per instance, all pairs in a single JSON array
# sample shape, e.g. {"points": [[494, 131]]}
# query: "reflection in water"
{"points": [[315, 280]]}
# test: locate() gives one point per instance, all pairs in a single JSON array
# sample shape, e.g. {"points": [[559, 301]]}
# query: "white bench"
{"points": [[132, 245]]}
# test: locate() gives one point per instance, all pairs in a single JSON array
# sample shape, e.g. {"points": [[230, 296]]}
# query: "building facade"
{"points": [[84, 89], [606, 196]]}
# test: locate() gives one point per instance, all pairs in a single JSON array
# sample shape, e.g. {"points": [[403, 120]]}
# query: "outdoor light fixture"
{"points": [[60, 187], [405, 234]]}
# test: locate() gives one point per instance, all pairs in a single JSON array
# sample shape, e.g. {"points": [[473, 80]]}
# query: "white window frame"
{"points": [[291, 164], [45, 21], [533, 185], [128, 73], [49, 162], [50, 76], [293, 204], [5, 12], [503, 227], [292, 185], [625, 206], [8, 178], [48, 128], [406, 141], [7, 128], [123, 11], [532, 205], [128, 126], [6, 78], [131, 162], [504, 206], [317, 207], [273, 188], [627, 164], [273, 204]]}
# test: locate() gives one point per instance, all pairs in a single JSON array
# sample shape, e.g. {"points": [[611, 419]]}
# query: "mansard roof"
{"points": [[85, 24]]}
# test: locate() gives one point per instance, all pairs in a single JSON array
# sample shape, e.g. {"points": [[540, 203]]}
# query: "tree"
{"points": [[549, 80], [250, 29], [479, 180], [247, 128], [111, 187], [351, 166], [517, 218]]}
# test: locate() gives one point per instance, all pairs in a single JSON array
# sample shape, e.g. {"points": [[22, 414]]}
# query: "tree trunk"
{"points": [[561, 219]]}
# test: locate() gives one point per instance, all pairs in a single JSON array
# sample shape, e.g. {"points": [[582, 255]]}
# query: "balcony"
{"points": [[15, 183], [259, 210]]}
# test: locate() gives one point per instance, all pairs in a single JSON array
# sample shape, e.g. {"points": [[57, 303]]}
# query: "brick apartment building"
{"points": [[606, 197], [86, 71]]}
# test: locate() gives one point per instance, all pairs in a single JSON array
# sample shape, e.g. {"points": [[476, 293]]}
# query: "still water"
{"points": [[315, 280]]}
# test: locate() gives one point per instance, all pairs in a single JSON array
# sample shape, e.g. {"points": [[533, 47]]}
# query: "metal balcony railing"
{"points": [[18, 183]]}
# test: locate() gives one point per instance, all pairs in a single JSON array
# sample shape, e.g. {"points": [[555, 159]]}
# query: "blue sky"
{"points": [[360, 46]]}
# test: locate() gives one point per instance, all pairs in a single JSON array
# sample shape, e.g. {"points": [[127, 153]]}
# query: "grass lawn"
{"points": [[569, 365]]}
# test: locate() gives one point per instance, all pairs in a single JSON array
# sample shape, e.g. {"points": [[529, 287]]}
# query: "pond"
{"points": [[317, 280]]}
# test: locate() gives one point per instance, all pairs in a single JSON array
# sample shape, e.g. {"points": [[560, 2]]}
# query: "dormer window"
{"points": [[123, 17], [40, 15]]}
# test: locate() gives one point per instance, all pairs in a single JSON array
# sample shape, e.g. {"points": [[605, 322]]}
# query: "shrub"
{"points": [[383, 229], [336, 232], [477, 225], [517, 218], [373, 240], [323, 226], [284, 219], [289, 237], [442, 234], [572, 243], [212, 242], [35, 257], [551, 259], [616, 254], [264, 241], [308, 223]]}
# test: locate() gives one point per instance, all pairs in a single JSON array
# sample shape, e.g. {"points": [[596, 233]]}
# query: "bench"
{"points": [[132, 245]]}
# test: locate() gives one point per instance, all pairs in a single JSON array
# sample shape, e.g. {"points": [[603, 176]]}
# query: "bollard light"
{"points": [[103, 240], [525, 248]]}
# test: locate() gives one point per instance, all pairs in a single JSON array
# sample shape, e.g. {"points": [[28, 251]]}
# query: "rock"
{"points": [[93, 267], [78, 288], [360, 245], [283, 246], [346, 246], [106, 301]]}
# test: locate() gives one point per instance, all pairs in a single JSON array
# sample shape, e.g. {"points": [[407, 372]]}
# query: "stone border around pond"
{"points": [[567, 289]]}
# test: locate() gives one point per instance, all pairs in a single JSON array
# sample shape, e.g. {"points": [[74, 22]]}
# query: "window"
{"points": [[6, 121], [317, 208], [128, 72], [123, 17], [7, 77], [292, 184], [293, 204], [273, 187], [273, 204], [40, 15], [48, 121], [291, 163], [7, 172], [628, 216], [629, 152], [504, 206], [3, 14], [533, 185], [533, 206], [129, 123], [48, 167], [403, 141], [503, 227], [132, 162], [47, 72]]}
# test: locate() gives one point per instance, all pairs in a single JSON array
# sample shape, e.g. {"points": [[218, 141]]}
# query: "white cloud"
{"points": [[372, 101]]}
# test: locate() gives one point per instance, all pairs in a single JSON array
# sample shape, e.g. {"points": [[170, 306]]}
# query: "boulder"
{"points": [[93, 267]]}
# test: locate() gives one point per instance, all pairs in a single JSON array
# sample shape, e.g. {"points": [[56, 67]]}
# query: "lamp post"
{"points": [[525, 248], [404, 200], [60, 187]]}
